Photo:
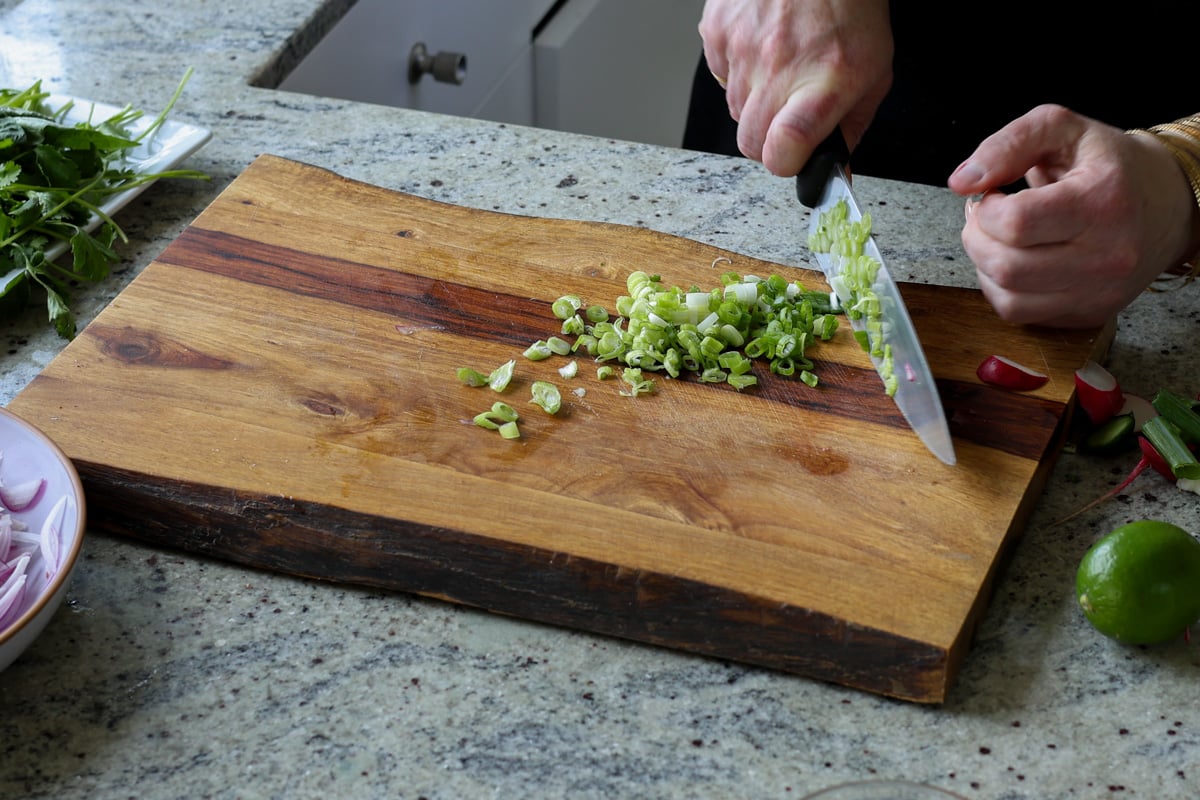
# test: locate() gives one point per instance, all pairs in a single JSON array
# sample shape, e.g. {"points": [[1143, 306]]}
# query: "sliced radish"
{"points": [[1152, 457], [23, 495], [1099, 393], [1139, 408], [1008, 374]]}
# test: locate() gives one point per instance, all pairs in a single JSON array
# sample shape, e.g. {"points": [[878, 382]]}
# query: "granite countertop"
{"points": [[166, 675]]}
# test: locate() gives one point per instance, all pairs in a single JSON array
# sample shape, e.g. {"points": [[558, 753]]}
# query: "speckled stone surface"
{"points": [[170, 676]]}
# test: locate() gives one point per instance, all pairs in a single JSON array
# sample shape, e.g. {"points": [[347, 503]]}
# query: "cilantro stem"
{"points": [[53, 175]]}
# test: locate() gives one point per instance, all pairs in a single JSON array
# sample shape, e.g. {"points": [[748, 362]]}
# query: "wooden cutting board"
{"points": [[278, 389]]}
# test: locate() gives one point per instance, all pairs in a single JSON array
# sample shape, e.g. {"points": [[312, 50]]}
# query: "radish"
{"points": [[1139, 408], [1152, 457], [1099, 393], [1008, 374]]}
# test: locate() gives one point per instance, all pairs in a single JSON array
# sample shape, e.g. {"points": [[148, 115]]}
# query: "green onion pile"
{"points": [[714, 336]]}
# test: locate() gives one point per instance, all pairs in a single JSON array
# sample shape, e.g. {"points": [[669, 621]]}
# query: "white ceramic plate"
{"points": [[167, 149], [29, 453]]}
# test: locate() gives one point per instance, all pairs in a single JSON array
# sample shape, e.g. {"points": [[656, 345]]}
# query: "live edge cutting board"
{"points": [[278, 389]]}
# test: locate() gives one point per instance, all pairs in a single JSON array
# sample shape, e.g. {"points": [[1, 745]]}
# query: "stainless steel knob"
{"points": [[444, 66]]}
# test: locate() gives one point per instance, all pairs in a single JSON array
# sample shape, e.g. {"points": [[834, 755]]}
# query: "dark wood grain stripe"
{"points": [[1015, 424], [462, 310]]}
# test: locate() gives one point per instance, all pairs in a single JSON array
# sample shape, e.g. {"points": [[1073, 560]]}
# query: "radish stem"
{"points": [[1138, 469]]}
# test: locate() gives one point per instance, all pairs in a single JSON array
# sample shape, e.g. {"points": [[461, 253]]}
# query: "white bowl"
{"points": [[27, 453]]}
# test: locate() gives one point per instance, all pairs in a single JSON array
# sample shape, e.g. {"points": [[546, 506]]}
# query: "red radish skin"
{"points": [[1008, 374], [1099, 393], [1152, 457]]}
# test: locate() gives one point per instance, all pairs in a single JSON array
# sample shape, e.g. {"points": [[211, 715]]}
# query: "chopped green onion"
{"points": [[1180, 412], [573, 326], [740, 382], [570, 369], [504, 412], [472, 377], [1166, 438], [509, 430], [604, 372], [638, 384], [546, 395], [854, 281], [501, 375], [557, 346], [596, 313], [566, 306], [484, 420], [499, 415], [538, 351]]}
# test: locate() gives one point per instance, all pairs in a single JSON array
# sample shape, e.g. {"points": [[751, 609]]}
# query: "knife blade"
{"points": [[821, 185]]}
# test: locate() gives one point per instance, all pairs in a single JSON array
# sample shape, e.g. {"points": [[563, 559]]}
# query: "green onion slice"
{"points": [[546, 395]]}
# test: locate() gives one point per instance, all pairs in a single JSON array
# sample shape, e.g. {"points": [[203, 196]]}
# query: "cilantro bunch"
{"points": [[54, 176]]}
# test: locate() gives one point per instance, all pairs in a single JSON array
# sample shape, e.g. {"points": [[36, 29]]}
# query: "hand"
{"points": [[795, 69], [1104, 215]]}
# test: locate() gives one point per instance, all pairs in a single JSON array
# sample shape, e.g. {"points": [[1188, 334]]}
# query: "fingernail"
{"points": [[969, 172], [969, 206]]}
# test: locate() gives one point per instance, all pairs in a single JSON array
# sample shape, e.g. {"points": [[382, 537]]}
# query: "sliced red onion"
{"points": [[12, 602], [51, 538], [28, 560], [12, 592], [22, 496], [6, 534]]}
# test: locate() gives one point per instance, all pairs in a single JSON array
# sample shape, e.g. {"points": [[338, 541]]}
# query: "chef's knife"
{"points": [[822, 183]]}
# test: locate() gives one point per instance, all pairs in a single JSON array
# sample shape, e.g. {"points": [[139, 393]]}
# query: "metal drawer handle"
{"points": [[444, 66]]}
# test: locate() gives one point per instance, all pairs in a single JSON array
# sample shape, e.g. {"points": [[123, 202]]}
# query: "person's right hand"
{"points": [[795, 69]]}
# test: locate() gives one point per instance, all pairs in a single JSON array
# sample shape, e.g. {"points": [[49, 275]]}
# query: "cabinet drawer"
{"points": [[618, 68], [365, 56]]}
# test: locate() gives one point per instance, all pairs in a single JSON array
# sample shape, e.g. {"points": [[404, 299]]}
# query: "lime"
{"points": [[1140, 584]]}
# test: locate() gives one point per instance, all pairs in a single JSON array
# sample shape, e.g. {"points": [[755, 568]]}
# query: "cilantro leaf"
{"points": [[53, 178]]}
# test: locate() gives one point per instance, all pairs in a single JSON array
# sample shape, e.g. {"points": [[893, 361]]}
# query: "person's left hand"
{"points": [[1104, 215]]}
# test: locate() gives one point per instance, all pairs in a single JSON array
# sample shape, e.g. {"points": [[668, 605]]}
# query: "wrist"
{"points": [[1181, 139]]}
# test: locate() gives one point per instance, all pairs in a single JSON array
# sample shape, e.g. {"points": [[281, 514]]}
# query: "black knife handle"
{"points": [[811, 180]]}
